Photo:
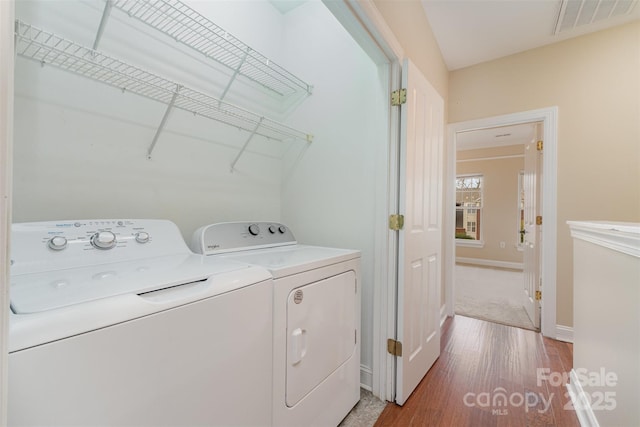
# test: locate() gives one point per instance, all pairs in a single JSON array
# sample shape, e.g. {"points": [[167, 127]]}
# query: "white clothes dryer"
{"points": [[316, 318], [116, 322]]}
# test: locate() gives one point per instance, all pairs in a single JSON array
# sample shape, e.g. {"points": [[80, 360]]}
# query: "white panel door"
{"points": [[533, 234], [420, 249]]}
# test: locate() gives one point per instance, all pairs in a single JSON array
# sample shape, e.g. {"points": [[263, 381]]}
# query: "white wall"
{"points": [[606, 324], [331, 189], [500, 217], [81, 146]]}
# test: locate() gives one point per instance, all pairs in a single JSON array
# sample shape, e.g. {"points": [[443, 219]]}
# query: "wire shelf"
{"points": [[190, 28], [48, 48]]}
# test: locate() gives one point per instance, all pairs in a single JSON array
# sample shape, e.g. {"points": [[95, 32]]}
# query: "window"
{"points": [[468, 207]]}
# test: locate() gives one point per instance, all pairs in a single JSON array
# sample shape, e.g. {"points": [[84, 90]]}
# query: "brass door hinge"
{"points": [[396, 222], [394, 347], [539, 145], [398, 97], [538, 295], [539, 220]]}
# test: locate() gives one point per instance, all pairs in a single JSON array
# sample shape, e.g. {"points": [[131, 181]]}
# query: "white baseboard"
{"points": [[366, 378], [582, 407], [564, 333], [491, 263]]}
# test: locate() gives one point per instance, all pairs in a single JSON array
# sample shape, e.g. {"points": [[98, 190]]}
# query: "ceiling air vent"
{"points": [[576, 13]]}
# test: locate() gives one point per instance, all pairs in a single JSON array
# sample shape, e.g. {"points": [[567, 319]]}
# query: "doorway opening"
{"points": [[545, 291], [491, 197]]}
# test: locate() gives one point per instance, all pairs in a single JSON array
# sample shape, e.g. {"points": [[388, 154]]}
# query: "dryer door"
{"points": [[321, 332]]}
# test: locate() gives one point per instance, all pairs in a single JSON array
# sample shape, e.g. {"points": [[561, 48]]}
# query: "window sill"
{"points": [[470, 243]]}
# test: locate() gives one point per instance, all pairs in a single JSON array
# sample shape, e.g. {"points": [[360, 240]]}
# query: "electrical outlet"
{"points": [[502, 245]]}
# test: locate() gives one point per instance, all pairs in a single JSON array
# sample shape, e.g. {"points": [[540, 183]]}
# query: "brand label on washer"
{"points": [[297, 297]]}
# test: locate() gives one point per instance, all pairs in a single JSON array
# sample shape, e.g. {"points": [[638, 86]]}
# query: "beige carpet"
{"points": [[491, 294]]}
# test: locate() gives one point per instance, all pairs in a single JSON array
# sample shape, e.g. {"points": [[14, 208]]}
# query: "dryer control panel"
{"points": [[56, 245], [240, 236]]}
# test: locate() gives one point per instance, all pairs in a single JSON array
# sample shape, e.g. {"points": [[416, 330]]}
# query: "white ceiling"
{"points": [[495, 137], [285, 6], [474, 31]]}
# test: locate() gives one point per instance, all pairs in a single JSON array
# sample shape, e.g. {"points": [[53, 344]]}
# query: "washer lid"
{"points": [[32, 293], [288, 260]]}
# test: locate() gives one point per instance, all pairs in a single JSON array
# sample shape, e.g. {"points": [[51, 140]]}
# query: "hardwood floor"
{"points": [[490, 375]]}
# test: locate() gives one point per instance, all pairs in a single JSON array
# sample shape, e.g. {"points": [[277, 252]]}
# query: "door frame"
{"points": [[549, 118], [6, 161], [367, 26]]}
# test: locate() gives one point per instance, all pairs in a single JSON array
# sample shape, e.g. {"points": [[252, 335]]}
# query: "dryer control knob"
{"points": [[57, 243], [142, 237], [282, 229], [103, 240], [272, 229], [254, 230]]}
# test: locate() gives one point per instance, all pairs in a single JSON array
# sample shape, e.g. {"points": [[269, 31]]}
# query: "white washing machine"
{"points": [[116, 322], [316, 318]]}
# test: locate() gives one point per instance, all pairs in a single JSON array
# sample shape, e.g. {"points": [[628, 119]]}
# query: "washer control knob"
{"points": [[254, 230], [272, 229], [142, 237], [103, 240], [57, 243], [282, 229]]}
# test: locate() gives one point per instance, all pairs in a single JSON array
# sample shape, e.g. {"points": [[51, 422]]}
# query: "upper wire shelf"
{"points": [[48, 48], [195, 31]]}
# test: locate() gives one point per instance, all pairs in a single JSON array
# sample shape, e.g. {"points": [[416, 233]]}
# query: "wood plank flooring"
{"points": [[488, 375]]}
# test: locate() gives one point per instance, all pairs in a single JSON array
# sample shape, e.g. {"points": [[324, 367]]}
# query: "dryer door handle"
{"points": [[298, 345]]}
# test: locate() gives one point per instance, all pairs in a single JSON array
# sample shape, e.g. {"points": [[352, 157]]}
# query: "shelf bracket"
{"points": [[235, 73], [103, 22], [244, 147], [163, 122]]}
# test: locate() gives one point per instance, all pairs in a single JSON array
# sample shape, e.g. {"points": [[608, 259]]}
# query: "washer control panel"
{"points": [[239, 236], [54, 245]]}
